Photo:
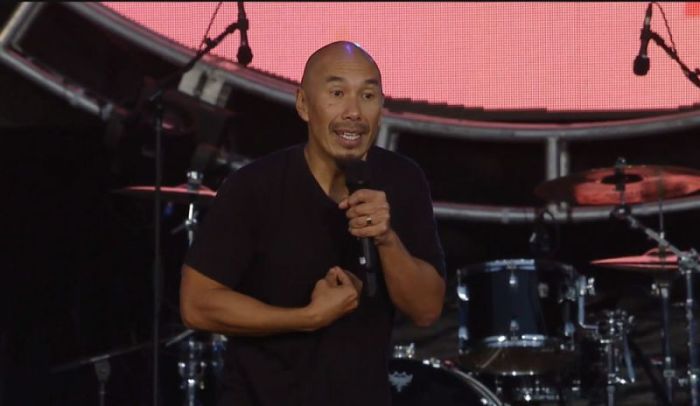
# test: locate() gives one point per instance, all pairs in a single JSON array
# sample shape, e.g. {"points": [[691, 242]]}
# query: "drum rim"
{"points": [[550, 344], [481, 389], [521, 264], [531, 340]]}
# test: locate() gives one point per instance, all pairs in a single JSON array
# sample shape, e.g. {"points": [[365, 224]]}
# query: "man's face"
{"points": [[342, 104]]}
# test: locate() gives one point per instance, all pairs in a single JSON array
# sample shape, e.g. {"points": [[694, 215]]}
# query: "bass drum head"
{"points": [[423, 383]]}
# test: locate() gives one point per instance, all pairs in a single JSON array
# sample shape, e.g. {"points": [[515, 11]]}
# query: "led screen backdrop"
{"points": [[554, 56]]}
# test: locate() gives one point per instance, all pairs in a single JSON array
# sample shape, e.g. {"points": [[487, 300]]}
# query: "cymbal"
{"points": [[650, 261], [177, 194], [643, 183]]}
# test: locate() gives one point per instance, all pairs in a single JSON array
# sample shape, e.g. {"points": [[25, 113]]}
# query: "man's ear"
{"points": [[302, 107]]}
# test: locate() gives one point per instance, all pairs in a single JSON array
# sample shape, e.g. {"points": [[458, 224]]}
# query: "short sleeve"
{"points": [[224, 243], [417, 226]]}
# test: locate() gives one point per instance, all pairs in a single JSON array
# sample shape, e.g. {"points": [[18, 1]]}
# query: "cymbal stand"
{"points": [[669, 372], [191, 365], [622, 211], [194, 183], [689, 263], [664, 287]]}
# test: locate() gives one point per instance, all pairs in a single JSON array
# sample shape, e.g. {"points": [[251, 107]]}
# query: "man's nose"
{"points": [[352, 109]]}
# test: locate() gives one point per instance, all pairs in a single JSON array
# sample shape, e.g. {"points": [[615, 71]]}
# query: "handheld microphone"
{"points": [[357, 176], [244, 55], [641, 62]]}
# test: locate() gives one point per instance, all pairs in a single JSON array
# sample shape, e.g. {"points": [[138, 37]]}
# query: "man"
{"points": [[275, 263]]}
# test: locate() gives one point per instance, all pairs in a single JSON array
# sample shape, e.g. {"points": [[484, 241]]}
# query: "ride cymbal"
{"points": [[642, 183]]}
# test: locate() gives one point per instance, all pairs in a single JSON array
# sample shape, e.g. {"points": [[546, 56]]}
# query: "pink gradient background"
{"points": [[554, 56]]}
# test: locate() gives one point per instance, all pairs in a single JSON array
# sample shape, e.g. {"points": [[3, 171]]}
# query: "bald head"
{"points": [[341, 100], [335, 51]]}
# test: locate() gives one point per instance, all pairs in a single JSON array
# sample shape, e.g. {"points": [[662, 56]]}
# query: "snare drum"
{"points": [[517, 316], [431, 383]]}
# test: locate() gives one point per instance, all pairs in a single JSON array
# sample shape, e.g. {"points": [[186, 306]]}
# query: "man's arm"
{"points": [[208, 305], [415, 286]]}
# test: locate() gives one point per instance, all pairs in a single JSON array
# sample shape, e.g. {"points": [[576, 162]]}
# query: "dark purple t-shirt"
{"points": [[271, 233]]}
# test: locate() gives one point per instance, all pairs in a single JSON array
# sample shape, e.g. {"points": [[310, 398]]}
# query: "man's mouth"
{"points": [[348, 135]]}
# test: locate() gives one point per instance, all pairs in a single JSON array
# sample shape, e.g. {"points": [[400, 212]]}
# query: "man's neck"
{"points": [[327, 175]]}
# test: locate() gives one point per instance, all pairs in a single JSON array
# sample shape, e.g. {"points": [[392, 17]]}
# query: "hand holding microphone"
{"points": [[368, 216], [368, 213]]}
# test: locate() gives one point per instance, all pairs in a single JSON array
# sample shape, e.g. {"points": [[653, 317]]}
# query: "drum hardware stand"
{"points": [[191, 368], [616, 329], [102, 370], [192, 365], [669, 372], [689, 263], [612, 334], [407, 351], [584, 286]]}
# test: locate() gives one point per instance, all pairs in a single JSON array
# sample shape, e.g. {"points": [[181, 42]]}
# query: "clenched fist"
{"points": [[334, 296]]}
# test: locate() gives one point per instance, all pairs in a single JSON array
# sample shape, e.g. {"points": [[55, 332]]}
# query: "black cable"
{"points": [[205, 39], [668, 28], [694, 75]]}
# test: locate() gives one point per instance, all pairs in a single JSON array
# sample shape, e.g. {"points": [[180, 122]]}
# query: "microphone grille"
{"points": [[641, 65]]}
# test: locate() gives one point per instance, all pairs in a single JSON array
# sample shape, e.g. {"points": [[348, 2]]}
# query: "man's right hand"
{"points": [[333, 297]]}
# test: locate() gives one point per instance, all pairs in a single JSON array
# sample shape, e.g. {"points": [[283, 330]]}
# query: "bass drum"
{"points": [[423, 383]]}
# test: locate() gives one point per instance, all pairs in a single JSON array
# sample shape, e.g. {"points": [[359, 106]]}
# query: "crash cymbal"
{"points": [[177, 194], [650, 261], [643, 184]]}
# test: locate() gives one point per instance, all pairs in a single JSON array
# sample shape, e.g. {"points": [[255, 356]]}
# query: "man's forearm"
{"points": [[221, 310], [415, 287]]}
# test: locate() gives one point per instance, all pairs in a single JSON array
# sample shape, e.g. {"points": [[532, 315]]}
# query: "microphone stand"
{"points": [[691, 75], [156, 99], [102, 366]]}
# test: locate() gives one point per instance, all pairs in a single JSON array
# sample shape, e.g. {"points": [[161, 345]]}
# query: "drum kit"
{"points": [[524, 335]]}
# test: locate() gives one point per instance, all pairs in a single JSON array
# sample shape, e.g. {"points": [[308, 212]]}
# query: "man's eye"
{"points": [[368, 96], [337, 93]]}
